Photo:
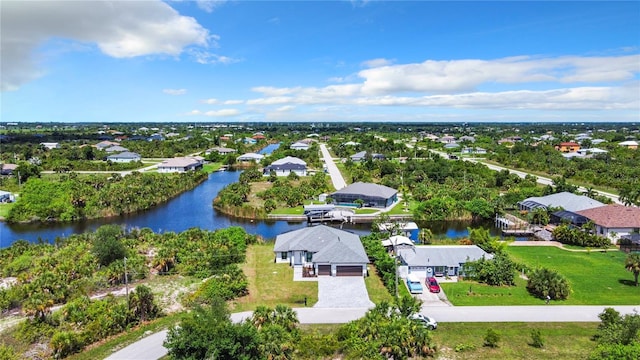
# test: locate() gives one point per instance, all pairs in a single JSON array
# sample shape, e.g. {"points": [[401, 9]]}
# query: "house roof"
{"points": [[222, 150], [8, 166], [329, 245], [628, 143], [179, 162], [397, 240], [300, 144], [566, 200], [614, 216], [360, 188], [116, 148], [125, 155], [289, 160], [441, 255], [250, 156]]}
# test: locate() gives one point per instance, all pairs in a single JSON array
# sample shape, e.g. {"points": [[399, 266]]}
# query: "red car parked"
{"points": [[432, 284]]}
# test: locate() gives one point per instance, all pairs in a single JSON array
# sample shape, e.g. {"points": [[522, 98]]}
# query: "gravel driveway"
{"points": [[342, 292]]}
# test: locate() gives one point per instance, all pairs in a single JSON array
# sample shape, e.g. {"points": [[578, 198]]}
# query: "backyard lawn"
{"points": [[596, 278], [271, 284]]}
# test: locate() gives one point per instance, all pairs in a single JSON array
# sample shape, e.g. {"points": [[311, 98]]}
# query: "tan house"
{"points": [[614, 221], [567, 147]]}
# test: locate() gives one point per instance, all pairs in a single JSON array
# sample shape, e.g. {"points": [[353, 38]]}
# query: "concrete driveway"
{"points": [[342, 292]]}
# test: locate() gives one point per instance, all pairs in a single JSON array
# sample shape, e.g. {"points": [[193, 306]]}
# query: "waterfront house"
{"points": [[613, 221], [327, 250], [181, 164], [565, 200], [220, 150], [437, 260], [373, 195], [287, 165], [250, 157]]}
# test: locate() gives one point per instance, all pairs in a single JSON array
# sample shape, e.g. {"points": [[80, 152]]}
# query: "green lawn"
{"points": [[596, 278], [271, 284], [211, 167], [375, 287], [4, 209], [561, 340]]}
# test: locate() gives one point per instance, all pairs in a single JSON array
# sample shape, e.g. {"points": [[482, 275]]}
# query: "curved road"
{"points": [[150, 348], [334, 172]]}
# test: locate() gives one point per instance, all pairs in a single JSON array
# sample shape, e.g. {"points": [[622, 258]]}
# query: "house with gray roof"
{"points": [[250, 157], [116, 148], [181, 164], [327, 250], [220, 150], [565, 200], [362, 155], [373, 195], [438, 260], [124, 157], [286, 166], [299, 146]]}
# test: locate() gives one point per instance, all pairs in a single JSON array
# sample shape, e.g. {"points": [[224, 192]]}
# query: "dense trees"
{"points": [[74, 197], [618, 337]]}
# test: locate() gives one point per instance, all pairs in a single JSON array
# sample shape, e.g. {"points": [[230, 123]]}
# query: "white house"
{"points": [[220, 150], [50, 145], [124, 157], [250, 157], [438, 260], [613, 221], [180, 164], [299, 146], [287, 165]]}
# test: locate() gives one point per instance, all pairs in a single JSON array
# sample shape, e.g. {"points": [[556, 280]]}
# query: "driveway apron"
{"points": [[342, 292]]}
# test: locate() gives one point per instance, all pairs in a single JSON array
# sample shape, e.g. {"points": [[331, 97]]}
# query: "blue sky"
{"points": [[340, 61]]}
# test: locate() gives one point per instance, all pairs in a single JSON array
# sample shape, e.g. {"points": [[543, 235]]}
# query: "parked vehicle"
{"points": [[426, 321], [414, 285], [432, 284]]}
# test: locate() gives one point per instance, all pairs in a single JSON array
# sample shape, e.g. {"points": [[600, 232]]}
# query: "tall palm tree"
{"points": [[633, 264]]}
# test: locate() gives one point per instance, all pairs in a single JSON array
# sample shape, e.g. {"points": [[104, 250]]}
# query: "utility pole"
{"points": [[126, 280]]}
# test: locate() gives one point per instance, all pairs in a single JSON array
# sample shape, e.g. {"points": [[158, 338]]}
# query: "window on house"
{"points": [[283, 255], [309, 256]]}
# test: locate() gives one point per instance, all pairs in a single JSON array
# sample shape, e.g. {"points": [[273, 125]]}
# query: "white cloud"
{"points": [[175, 91], [374, 63], [210, 5], [233, 102], [211, 101], [285, 108], [206, 57], [120, 29], [222, 113]]}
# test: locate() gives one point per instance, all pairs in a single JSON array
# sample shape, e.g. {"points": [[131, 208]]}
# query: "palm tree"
{"points": [[633, 264], [285, 317], [261, 316]]}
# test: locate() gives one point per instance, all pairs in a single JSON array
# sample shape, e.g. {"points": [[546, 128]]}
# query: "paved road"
{"points": [[336, 176], [150, 348], [540, 179]]}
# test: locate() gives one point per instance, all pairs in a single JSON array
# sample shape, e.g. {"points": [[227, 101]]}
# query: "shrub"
{"points": [[543, 282], [537, 340], [464, 347], [492, 338]]}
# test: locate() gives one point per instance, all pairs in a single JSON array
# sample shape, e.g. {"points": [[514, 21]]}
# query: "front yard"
{"points": [[596, 278]]}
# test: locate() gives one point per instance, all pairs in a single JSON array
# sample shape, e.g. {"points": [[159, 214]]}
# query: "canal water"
{"points": [[193, 208]]}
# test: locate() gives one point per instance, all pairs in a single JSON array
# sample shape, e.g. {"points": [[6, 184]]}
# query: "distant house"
{"points": [[591, 151], [258, 137], [438, 260], [351, 143], [451, 146], [567, 147], [373, 195], [362, 155], [181, 164], [407, 229], [116, 148], [447, 139], [509, 140], [220, 150], [155, 137], [124, 157], [105, 144], [299, 146], [630, 144], [471, 150], [287, 165], [7, 169], [250, 157], [50, 145], [467, 138], [249, 141], [565, 200], [327, 250], [614, 221], [6, 196]]}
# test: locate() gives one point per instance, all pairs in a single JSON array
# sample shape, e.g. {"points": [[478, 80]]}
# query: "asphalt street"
{"points": [[150, 348]]}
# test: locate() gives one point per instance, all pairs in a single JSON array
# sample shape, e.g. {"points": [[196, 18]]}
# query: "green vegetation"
{"points": [[5, 208], [548, 284], [618, 337], [77, 266], [376, 289], [75, 198]]}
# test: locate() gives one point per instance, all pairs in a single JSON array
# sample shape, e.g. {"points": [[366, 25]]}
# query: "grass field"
{"points": [[596, 278], [375, 287], [271, 284], [4, 209]]}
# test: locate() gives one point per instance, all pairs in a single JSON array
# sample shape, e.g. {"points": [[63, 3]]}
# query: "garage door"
{"points": [[324, 269], [349, 270]]}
